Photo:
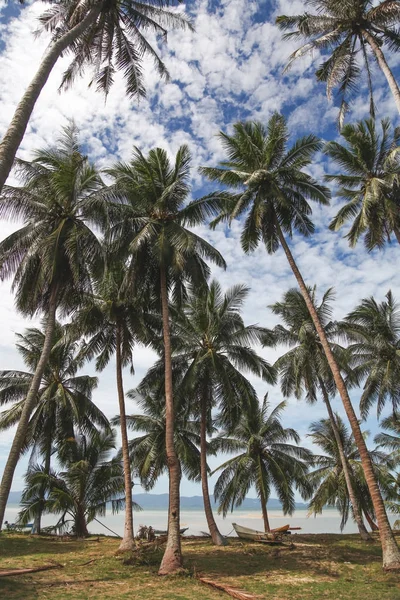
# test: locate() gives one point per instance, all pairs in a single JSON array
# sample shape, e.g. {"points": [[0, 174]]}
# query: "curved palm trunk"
{"points": [[16, 130], [127, 542], [216, 536], [172, 559], [390, 550], [345, 466], [380, 57], [29, 404], [263, 501], [370, 521]]}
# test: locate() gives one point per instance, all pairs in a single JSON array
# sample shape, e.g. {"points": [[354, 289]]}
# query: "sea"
{"points": [[195, 521]]}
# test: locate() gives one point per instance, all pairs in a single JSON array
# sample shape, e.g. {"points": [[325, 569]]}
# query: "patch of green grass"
{"points": [[319, 567]]}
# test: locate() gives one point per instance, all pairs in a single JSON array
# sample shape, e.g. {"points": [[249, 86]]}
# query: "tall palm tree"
{"points": [[328, 480], [369, 182], [213, 347], [273, 189], [390, 441], [374, 330], [148, 451], [63, 402], [267, 458], [112, 322], [166, 254], [51, 257], [304, 367], [82, 490], [347, 30], [109, 34]]}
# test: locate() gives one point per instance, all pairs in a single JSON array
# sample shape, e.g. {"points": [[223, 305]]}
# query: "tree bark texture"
{"points": [[390, 550], [172, 559], [16, 130], [29, 404], [128, 541], [263, 501]]}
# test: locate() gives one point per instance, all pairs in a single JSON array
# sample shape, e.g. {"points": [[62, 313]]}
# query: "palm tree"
{"points": [[328, 480], [51, 256], [273, 189], [63, 403], [369, 184], [112, 322], [267, 458], [213, 347], [390, 441], [166, 255], [304, 367], [82, 490], [105, 33], [148, 451], [374, 329], [347, 30]]}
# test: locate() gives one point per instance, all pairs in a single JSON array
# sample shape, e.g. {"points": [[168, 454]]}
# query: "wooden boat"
{"points": [[165, 532], [245, 533], [282, 529]]}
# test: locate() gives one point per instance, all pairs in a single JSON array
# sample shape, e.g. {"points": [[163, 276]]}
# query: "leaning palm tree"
{"points": [[213, 347], [266, 459], [152, 225], [148, 451], [348, 30], [328, 480], [51, 257], [374, 332], [112, 321], [80, 492], [368, 182], [273, 189], [109, 34], [304, 367], [63, 403]]}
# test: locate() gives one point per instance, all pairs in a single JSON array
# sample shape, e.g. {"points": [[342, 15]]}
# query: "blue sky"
{"points": [[229, 69]]}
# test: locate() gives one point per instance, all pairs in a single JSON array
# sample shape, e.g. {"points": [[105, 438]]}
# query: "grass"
{"points": [[320, 567]]}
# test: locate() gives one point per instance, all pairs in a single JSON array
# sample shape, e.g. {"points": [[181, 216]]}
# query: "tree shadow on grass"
{"points": [[28, 545]]}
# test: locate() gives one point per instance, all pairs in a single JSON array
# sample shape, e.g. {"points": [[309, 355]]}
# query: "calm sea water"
{"points": [[328, 522]]}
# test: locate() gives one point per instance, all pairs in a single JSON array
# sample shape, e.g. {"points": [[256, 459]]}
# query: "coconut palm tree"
{"points": [[390, 441], [112, 321], [63, 402], [109, 34], [328, 480], [348, 30], [369, 182], [82, 490], [304, 368], [266, 459], [148, 451], [273, 189], [374, 330], [50, 258], [212, 345], [166, 255]]}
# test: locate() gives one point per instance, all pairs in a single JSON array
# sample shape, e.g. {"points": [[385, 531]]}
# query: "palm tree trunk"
{"points": [[29, 404], [345, 466], [47, 461], [380, 57], [128, 541], [390, 550], [80, 523], [172, 559], [216, 536], [370, 521], [16, 130], [263, 501]]}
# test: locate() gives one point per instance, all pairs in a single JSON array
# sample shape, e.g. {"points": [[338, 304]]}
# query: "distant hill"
{"points": [[160, 502]]}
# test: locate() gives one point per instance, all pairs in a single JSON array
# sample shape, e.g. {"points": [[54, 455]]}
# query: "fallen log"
{"points": [[12, 572], [228, 589]]}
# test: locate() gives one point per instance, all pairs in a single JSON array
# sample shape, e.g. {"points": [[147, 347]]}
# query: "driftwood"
{"points": [[12, 572], [228, 589]]}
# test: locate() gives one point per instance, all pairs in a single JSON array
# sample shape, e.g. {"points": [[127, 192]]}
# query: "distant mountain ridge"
{"points": [[160, 502]]}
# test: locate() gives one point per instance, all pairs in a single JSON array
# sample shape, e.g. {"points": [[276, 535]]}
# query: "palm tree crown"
{"points": [[374, 330], [368, 183], [347, 30]]}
